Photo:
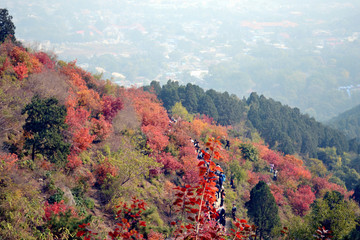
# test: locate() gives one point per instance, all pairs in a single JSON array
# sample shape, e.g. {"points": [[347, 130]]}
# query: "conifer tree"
{"points": [[44, 124], [262, 210], [7, 27], [207, 107]]}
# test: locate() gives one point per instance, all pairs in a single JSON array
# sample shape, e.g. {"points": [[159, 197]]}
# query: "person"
{"points": [[221, 181], [233, 211], [200, 155], [221, 212], [232, 182], [196, 144], [222, 197], [271, 168], [218, 191], [227, 146], [275, 175]]}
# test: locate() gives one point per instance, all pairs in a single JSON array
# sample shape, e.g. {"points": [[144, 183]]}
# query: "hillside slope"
{"points": [[348, 122], [120, 145]]}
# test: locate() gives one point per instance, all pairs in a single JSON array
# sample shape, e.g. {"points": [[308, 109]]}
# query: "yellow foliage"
{"points": [[199, 127]]}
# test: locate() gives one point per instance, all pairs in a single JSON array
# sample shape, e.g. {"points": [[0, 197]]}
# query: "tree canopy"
{"points": [[262, 210], [44, 125], [7, 27], [334, 213]]}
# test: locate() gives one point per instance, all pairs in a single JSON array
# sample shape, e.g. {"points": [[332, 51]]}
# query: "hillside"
{"points": [[75, 146], [283, 128], [348, 122]]}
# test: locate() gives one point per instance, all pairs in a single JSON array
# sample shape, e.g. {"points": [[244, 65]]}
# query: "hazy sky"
{"points": [[299, 52]]}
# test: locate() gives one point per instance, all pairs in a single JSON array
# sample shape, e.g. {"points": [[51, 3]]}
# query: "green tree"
{"points": [[191, 99], [178, 110], [7, 27], [356, 195], [207, 107], [262, 210], [249, 152], [44, 124], [154, 86], [334, 213], [169, 94]]}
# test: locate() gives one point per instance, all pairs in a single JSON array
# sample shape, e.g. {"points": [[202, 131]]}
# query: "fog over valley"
{"points": [[302, 53]]}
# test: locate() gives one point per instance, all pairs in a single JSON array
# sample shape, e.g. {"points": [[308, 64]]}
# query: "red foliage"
{"points": [[82, 140], [45, 60], [290, 169], [322, 185], [103, 170], [196, 203], [242, 231], [56, 208], [253, 178], [73, 161], [79, 78], [130, 220], [21, 71], [188, 151], [207, 119], [264, 177], [8, 161], [301, 199], [152, 235], [34, 65], [157, 140], [46, 165], [100, 128], [77, 118], [271, 156], [169, 162], [78, 121], [89, 99], [154, 118], [278, 193], [191, 170], [86, 232], [110, 107]]}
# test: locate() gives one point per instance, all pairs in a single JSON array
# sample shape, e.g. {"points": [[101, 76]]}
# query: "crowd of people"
{"points": [[221, 178]]}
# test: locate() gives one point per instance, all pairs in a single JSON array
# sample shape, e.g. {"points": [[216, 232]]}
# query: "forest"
{"points": [[84, 158]]}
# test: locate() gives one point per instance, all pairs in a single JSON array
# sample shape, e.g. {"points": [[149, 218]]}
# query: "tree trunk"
{"points": [[33, 152]]}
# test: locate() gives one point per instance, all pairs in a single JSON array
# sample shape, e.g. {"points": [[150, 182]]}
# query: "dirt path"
{"points": [[98, 211]]}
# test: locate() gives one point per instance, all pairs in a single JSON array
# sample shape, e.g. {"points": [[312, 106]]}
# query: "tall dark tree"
{"points": [[44, 124], [154, 86], [262, 210], [169, 94], [191, 100], [7, 27], [207, 107], [356, 194]]}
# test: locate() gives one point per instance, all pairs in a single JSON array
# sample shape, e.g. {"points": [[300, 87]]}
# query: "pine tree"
{"points": [[207, 107], [262, 210], [45, 122], [7, 27], [191, 100]]}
